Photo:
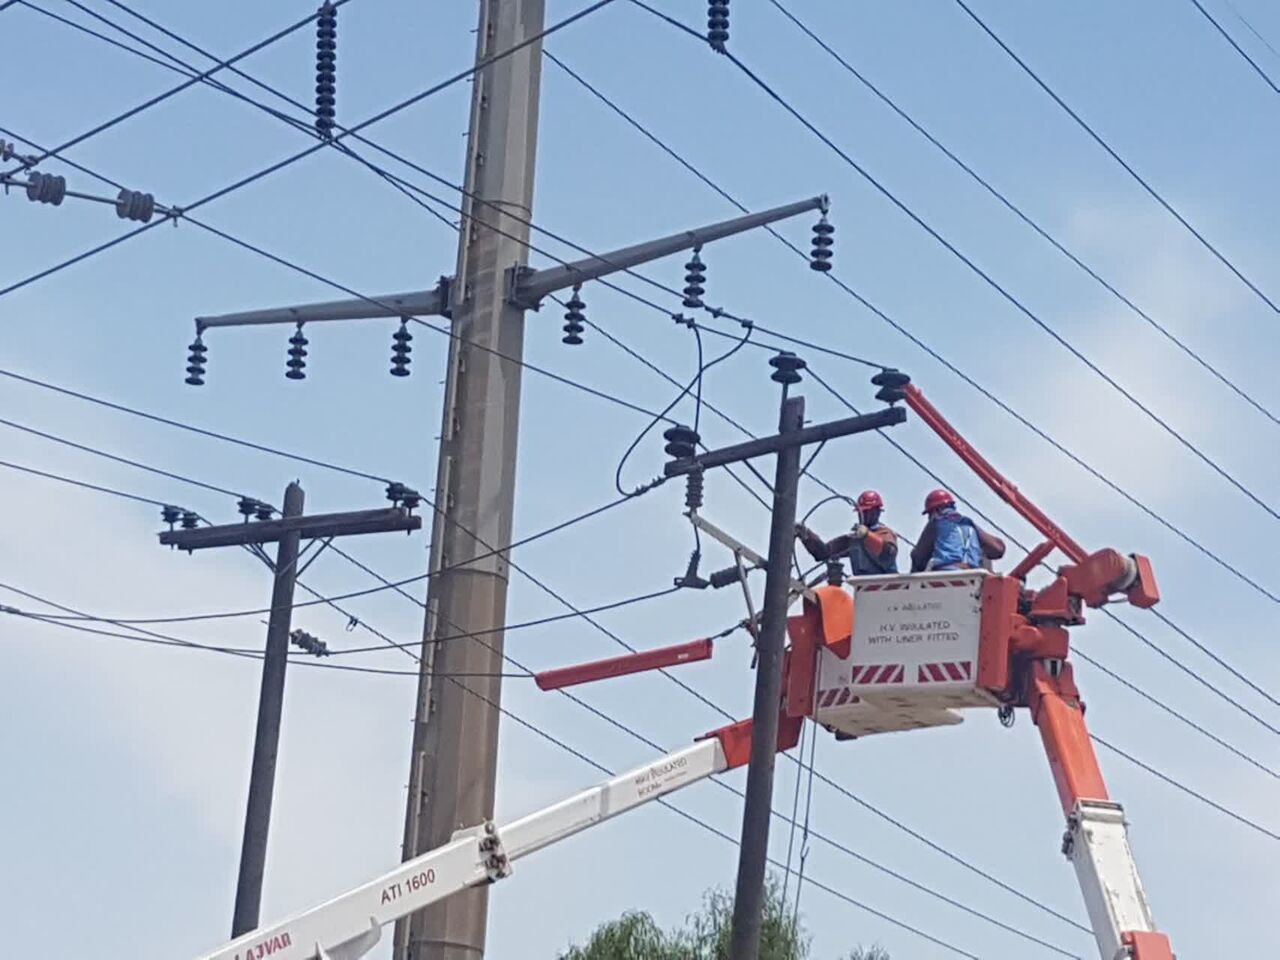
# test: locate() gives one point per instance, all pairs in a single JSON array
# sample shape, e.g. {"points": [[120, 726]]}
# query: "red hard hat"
{"points": [[870, 500], [938, 498]]}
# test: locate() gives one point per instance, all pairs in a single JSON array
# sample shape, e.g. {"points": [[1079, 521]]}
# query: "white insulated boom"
{"points": [[349, 925]]}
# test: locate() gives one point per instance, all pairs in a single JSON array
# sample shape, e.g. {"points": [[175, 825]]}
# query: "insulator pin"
{"points": [[326, 68], [574, 319], [297, 363], [400, 350], [196, 362], [682, 441], [694, 278], [786, 368], [823, 241], [718, 24]]}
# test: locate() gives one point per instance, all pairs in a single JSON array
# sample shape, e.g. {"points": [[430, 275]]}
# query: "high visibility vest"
{"points": [[955, 543], [863, 564]]}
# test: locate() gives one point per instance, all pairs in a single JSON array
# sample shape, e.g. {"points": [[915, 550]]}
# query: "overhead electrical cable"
{"points": [[979, 271], [1100, 141]]}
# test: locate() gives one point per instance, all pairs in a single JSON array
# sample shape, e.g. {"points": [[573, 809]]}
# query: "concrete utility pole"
{"points": [[787, 443], [453, 767], [453, 763], [287, 532]]}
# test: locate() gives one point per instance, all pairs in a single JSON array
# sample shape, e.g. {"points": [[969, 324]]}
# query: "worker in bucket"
{"points": [[872, 548], [950, 540]]}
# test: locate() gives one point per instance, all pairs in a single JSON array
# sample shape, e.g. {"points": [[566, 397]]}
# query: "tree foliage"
{"points": [[704, 936]]}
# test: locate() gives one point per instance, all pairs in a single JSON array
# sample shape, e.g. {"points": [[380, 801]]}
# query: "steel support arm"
{"points": [[536, 284], [1097, 838], [315, 527], [527, 287], [417, 303], [763, 446]]}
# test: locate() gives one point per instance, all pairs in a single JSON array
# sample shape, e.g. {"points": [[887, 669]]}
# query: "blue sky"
{"points": [[128, 762]]}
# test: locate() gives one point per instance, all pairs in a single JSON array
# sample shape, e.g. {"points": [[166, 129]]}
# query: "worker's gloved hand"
{"points": [[801, 530], [860, 531]]}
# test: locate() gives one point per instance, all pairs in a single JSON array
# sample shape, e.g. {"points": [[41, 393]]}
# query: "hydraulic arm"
{"points": [[1029, 668], [350, 925]]}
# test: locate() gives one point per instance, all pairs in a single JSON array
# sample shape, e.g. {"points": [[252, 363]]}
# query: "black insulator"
{"points": [[722, 578], [246, 506], [892, 384], [411, 499], [693, 486], [46, 188], [718, 24], [135, 205], [820, 255], [694, 278], [196, 362], [682, 441], [262, 511], [326, 68], [170, 515], [574, 319], [190, 520], [396, 491], [786, 367], [297, 363], [400, 350], [309, 644], [6, 150]]}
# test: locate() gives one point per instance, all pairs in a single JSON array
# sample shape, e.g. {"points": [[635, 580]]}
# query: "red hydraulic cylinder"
{"points": [[624, 665]]}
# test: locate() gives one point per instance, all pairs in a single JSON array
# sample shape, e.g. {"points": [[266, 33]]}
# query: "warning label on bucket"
{"points": [[909, 621]]}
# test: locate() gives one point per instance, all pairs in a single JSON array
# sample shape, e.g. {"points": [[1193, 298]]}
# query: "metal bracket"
{"points": [[492, 854], [798, 587], [516, 276]]}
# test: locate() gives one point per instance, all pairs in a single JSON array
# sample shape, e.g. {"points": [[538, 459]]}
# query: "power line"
{"points": [[82, 483], [1097, 138], [715, 187], [160, 98], [1238, 49], [1131, 629], [1176, 529], [1154, 701], [295, 659], [1178, 785], [1235, 11], [1023, 215], [84, 448], [636, 735], [281, 164], [719, 833], [974, 267]]}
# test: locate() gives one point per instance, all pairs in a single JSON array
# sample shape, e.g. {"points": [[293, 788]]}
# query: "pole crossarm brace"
{"points": [[742, 552], [527, 287], [317, 527], [818, 433]]}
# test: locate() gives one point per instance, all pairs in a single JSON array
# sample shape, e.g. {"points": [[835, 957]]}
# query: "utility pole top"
{"points": [[310, 527]]}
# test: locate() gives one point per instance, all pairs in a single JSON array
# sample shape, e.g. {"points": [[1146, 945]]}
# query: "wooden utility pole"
{"points": [[288, 532]]}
